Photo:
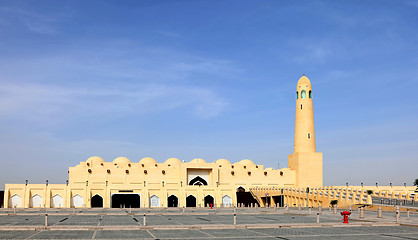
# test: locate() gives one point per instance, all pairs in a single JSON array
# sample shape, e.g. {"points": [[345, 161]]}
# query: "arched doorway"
{"points": [[15, 201], [57, 201], [96, 201], [77, 201], [209, 200], [36, 201], [172, 201], [226, 201], [154, 201], [190, 201]]}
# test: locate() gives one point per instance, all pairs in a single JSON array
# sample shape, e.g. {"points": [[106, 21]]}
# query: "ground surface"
{"points": [[202, 224]]}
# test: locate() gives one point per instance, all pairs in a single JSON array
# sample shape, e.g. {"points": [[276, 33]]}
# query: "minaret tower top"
{"points": [[304, 120]]}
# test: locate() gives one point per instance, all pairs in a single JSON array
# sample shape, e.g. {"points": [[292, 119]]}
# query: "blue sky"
{"points": [[207, 79]]}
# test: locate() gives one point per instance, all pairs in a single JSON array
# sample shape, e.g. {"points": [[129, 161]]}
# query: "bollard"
{"points": [[310, 211], [317, 217], [46, 219], [14, 209], [320, 209], [330, 210], [256, 205], [145, 219], [379, 212], [235, 217], [287, 208], [349, 208], [275, 207], [183, 210], [300, 208], [361, 212], [252, 205], [397, 214], [335, 209], [407, 212]]}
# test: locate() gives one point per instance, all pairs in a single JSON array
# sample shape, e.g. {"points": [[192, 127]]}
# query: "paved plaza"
{"points": [[197, 223]]}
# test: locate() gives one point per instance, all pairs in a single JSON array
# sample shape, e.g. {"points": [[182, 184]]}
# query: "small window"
{"points": [[310, 94], [309, 135], [297, 95], [301, 106], [303, 94]]}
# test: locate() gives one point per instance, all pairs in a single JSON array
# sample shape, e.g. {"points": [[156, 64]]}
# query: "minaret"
{"points": [[304, 121], [305, 161]]}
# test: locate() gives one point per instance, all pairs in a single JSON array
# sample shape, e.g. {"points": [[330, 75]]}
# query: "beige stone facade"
{"points": [[147, 183]]}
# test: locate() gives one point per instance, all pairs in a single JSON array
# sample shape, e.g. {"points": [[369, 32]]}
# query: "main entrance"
{"points": [[123, 200]]}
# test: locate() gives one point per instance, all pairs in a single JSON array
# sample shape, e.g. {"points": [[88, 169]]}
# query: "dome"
{"points": [[304, 80], [223, 162], [172, 161], [147, 160], [121, 160], [246, 162], [94, 161], [198, 160]]}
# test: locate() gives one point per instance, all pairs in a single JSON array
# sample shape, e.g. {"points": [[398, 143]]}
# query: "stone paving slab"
{"points": [[63, 235], [16, 234], [135, 234]]}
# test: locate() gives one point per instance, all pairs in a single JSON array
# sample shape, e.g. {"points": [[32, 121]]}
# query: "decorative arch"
{"points": [[310, 93], [198, 181], [227, 201], [154, 201], [191, 201], [303, 94], [172, 201], [15, 201], [240, 189], [57, 201], [36, 201], [96, 201]]}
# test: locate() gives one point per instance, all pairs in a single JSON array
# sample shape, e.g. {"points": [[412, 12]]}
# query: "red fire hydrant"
{"points": [[345, 214], [211, 206]]}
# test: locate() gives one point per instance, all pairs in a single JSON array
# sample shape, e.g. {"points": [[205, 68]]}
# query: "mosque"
{"points": [[173, 183]]}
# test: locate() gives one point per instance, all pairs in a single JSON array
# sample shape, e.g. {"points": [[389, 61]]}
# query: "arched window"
{"points": [[198, 181], [303, 94], [297, 95], [310, 94]]}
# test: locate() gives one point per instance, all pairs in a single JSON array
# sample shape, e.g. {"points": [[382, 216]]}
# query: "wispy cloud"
{"points": [[34, 21], [36, 102]]}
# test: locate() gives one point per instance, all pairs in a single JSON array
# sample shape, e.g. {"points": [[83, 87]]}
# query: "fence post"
{"points": [[46, 219], [145, 219], [317, 217]]}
